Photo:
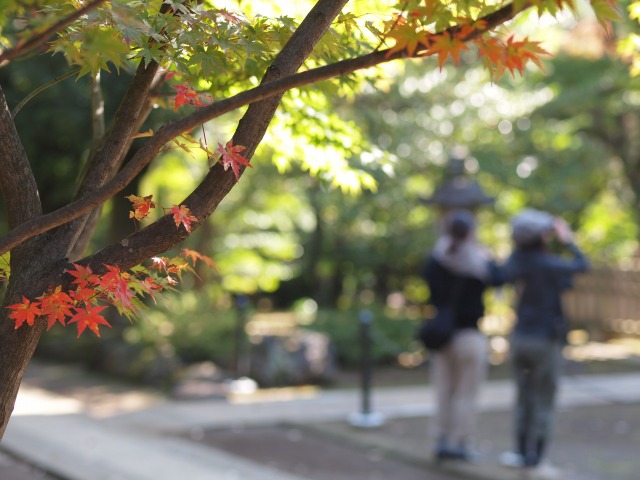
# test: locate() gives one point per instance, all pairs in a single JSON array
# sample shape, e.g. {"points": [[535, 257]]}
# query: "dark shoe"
{"points": [[459, 454]]}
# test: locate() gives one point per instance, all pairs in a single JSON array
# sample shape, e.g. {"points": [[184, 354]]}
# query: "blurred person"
{"points": [[458, 270], [539, 277]]}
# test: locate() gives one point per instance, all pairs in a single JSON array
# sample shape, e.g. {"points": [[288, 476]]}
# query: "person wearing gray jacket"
{"points": [[539, 278]]}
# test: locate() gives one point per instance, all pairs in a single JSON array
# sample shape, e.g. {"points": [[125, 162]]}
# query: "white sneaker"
{"points": [[546, 471], [512, 460]]}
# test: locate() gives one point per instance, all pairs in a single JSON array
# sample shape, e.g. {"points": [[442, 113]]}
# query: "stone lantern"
{"points": [[458, 190]]}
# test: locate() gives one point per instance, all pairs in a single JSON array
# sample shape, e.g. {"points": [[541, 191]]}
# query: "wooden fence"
{"points": [[606, 301]]}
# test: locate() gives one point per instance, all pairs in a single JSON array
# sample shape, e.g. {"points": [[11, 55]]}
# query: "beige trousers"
{"points": [[457, 372]]}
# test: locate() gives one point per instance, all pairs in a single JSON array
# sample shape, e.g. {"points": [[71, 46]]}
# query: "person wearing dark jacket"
{"points": [[458, 271], [539, 278]]}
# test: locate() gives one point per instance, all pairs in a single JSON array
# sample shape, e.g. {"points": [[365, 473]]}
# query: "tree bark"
{"points": [[20, 195]]}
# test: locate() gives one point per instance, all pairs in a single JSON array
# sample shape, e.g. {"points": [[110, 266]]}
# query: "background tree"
{"points": [[217, 62]]}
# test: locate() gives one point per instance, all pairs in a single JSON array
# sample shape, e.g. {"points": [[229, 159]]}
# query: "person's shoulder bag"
{"points": [[436, 333]]}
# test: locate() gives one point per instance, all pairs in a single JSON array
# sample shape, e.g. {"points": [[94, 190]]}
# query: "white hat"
{"points": [[529, 225]]}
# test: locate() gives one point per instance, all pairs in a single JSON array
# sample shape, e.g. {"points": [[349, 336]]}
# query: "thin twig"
{"points": [[40, 89]]}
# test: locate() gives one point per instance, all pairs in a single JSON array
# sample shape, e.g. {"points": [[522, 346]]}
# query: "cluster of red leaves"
{"points": [[187, 95], [93, 293], [142, 206]]}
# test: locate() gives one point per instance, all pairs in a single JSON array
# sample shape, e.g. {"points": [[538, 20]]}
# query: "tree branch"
{"points": [[109, 156], [37, 40], [170, 131]]}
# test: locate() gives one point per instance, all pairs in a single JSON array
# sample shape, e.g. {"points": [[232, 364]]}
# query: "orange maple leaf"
{"points": [[445, 44], [89, 317], [27, 311], [491, 49], [518, 53], [182, 215], [230, 157], [194, 256], [141, 206], [56, 306]]}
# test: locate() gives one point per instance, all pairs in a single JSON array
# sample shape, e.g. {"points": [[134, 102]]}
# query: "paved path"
{"points": [[139, 436]]}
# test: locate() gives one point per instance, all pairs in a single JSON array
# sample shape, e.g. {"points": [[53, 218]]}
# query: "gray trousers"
{"points": [[457, 372], [536, 364]]}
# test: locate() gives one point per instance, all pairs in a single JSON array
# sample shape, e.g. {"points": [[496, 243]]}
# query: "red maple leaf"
{"points": [[89, 317], [83, 295], [187, 96], [56, 306], [24, 312], [141, 206], [116, 284], [83, 276], [230, 157], [182, 215]]}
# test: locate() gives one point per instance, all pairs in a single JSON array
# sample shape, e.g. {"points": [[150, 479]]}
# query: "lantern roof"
{"points": [[458, 190]]}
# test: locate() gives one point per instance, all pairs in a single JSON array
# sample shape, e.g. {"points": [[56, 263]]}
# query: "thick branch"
{"points": [[17, 183], [188, 123], [38, 40]]}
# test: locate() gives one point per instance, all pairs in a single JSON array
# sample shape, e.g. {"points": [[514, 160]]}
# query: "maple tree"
{"points": [[216, 61]]}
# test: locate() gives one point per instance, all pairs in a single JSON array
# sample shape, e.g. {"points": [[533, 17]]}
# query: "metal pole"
{"points": [[242, 302], [366, 418], [365, 344]]}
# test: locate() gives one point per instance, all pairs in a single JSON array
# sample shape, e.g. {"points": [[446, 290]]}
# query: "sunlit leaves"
{"points": [[629, 46], [93, 49], [606, 11], [5, 268], [408, 37]]}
